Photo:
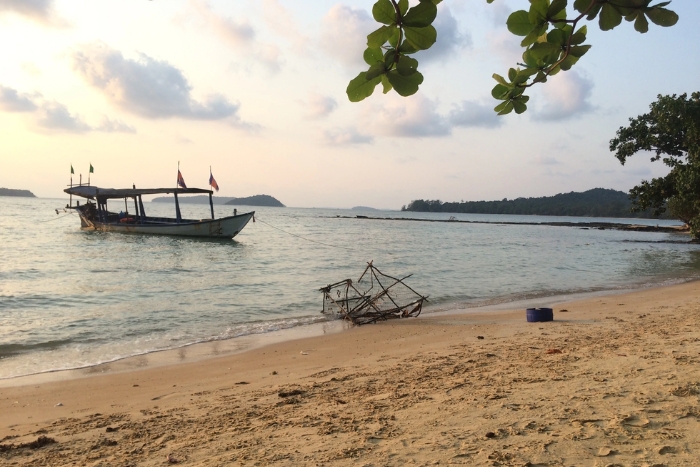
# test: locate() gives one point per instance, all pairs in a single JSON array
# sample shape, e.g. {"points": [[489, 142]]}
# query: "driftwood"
{"points": [[374, 297]]}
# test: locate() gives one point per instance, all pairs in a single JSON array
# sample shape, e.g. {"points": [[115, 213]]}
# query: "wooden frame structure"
{"points": [[374, 297]]}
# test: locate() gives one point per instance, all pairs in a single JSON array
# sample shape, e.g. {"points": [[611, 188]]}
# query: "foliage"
{"points": [[671, 130], [598, 202], [551, 37]]}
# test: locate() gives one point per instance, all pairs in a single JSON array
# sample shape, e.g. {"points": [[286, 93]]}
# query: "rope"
{"points": [[304, 238], [56, 218]]}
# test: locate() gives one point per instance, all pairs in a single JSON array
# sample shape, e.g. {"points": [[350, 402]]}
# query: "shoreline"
{"points": [[197, 351], [614, 379]]}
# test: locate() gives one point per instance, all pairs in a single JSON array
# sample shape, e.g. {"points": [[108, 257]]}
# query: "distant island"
{"points": [[598, 202], [363, 208], [257, 200], [21, 193]]}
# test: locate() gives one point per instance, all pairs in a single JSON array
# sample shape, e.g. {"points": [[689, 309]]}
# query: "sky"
{"points": [[255, 89]]}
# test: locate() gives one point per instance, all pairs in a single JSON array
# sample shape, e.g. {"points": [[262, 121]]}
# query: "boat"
{"points": [[94, 214]]}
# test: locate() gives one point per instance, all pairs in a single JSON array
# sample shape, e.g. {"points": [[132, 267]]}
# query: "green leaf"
{"points": [[389, 58], [504, 108], [420, 38], [372, 56], [641, 24], [523, 75], [558, 37], [519, 24], [394, 38], [386, 85], [556, 8], [519, 106], [403, 8], [534, 35], [545, 51], [610, 18], [581, 5], [407, 48], [500, 92], [579, 50], [406, 65], [375, 70], [383, 12], [538, 11], [512, 73], [500, 79], [360, 88], [377, 38], [568, 62], [421, 15], [579, 36], [662, 17], [405, 85]]}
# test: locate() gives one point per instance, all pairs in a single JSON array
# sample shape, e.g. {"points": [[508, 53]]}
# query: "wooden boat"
{"points": [[95, 216]]}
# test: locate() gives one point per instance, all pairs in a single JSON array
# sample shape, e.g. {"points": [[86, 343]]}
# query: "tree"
{"points": [[671, 130], [405, 31]]}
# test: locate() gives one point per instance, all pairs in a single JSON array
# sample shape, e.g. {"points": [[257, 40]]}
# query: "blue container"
{"points": [[536, 315]]}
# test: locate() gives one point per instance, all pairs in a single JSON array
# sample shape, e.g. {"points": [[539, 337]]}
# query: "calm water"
{"points": [[70, 298]]}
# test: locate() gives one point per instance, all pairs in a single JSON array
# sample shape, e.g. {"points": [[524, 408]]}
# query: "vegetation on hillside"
{"points": [[598, 202]]}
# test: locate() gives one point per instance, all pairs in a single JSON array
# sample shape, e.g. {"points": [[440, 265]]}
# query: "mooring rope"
{"points": [[56, 218], [257, 219]]}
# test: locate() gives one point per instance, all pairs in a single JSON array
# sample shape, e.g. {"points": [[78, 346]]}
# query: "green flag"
{"points": [[92, 171], [71, 169]]}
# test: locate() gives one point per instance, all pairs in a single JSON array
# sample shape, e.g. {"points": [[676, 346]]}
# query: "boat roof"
{"points": [[92, 192]]}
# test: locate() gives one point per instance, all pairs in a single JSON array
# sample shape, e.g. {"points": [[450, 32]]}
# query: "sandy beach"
{"points": [[614, 380]]}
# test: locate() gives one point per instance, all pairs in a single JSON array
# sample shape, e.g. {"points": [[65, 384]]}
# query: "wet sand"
{"points": [[614, 380]]}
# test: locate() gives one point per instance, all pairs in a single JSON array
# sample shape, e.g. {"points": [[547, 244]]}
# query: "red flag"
{"points": [[212, 182], [180, 180]]}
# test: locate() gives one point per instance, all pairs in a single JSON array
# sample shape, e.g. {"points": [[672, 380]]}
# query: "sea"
{"points": [[74, 299]]}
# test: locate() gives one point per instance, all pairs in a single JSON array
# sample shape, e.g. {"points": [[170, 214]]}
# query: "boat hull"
{"points": [[225, 227]]}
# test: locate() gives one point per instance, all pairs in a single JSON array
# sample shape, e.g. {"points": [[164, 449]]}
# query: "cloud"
{"points": [[344, 34], [37, 10], [450, 39], [240, 36], [12, 101], [546, 160], [565, 96], [280, 20], [114, 126], [150, 88], [412, 117], [345, 137], [474, 114], [499, 13], [53, 115], [57, 117], [506, 46], [318, 106]]}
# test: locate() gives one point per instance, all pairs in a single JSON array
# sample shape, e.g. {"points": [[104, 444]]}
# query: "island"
{"points": [[598, 202], [257, 200], [19, 193], [197, 199]]}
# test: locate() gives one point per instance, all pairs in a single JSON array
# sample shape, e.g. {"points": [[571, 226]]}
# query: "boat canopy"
{"points": [[93, 192]]}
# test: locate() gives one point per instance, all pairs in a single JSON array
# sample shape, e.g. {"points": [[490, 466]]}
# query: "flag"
{"points": [[180, 180], [71, 169], [92, 171], [212, 182]]}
